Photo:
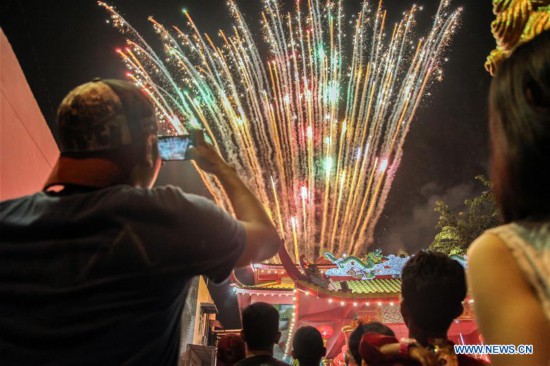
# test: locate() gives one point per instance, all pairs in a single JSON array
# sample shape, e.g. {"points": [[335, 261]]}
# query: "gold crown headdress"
{"points": [[517, 22]]}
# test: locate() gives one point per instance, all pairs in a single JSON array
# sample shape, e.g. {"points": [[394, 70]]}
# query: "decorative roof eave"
{"points": [[321, 292], [279, 267], [266, 291], [267, 286], [267, 266]]}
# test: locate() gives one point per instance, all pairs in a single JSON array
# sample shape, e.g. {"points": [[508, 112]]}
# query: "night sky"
{"points": [[63, 43]]}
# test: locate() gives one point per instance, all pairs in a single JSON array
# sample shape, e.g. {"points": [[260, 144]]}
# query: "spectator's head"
{"points": [[307, 346], [231, 349], [433, 288], [357, 334], [107, 135], [261, 327], [519, 121], [377, 327]]}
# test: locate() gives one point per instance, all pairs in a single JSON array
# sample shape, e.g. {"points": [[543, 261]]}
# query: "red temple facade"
{"points": [[334, 299]]}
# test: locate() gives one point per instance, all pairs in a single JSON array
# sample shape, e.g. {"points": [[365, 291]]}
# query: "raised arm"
{"points": [[380, 349], [507, 309], [262, 240]]}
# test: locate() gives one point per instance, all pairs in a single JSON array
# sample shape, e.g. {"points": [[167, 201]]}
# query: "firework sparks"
{"points": [[317, 128]]}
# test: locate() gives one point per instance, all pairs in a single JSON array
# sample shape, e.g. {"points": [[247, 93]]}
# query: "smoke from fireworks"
{"points": [[316, 128]]}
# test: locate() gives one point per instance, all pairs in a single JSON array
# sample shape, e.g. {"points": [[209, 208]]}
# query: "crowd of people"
{"points": [[95, 268], [260, 333], [433, 289]]}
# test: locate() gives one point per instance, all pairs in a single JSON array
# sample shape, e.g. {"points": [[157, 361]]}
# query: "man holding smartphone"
{"points": [[94, 270]]}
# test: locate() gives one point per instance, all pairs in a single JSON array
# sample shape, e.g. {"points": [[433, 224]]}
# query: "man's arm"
{"points": [[507, 310], [377, 348], [262, 240]]}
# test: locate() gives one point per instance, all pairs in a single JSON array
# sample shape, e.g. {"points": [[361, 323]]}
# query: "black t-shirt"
{"points": [[100, 278]]}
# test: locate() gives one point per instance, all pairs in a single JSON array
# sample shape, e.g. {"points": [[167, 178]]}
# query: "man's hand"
{"points": [[204, 154]]}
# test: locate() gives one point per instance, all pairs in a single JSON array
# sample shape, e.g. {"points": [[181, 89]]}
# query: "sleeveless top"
{"points": [[529, 243]]}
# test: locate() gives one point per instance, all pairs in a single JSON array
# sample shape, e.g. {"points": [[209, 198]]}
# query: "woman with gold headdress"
{"points": [[509, 266]]}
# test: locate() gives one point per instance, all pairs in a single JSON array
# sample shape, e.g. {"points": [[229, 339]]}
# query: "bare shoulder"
{"points": [[490, 250], [507, 308], [493, 268], [486, 244]]}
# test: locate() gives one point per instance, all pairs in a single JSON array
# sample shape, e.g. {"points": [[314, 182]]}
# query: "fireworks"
{"points": [[316, 126]]}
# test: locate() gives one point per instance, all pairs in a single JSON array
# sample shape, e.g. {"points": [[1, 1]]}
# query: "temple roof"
{"points": [[375, 286], [285, 286], [390, 286]]}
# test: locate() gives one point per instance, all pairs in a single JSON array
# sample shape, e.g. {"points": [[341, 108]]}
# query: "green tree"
{"points": [[459, 229]]}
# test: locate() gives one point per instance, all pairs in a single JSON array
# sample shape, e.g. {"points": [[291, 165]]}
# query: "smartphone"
{"points": [[173, 147]]}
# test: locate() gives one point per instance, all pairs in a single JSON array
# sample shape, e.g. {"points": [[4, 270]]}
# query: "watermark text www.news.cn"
{"points": [[493, 349]]}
